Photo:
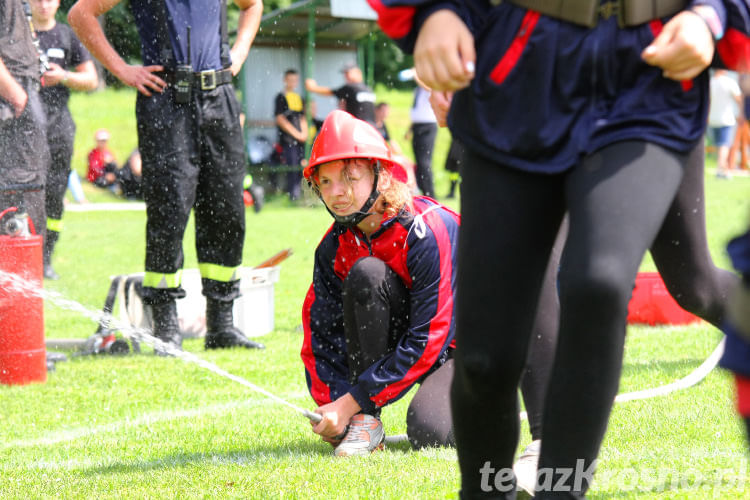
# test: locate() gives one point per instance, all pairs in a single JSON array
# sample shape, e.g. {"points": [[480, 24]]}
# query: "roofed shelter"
{"points": [[315, 37]]}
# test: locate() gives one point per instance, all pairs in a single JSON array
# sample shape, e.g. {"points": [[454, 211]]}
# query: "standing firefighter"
{"points": [[191, 144], [24, 154], [64, 52]]}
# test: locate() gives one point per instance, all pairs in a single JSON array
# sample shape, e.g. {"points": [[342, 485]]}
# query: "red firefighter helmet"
{"points": [[344, 136]]}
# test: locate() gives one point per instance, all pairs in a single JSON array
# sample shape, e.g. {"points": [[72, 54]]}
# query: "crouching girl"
{"points": [[379, 315]]}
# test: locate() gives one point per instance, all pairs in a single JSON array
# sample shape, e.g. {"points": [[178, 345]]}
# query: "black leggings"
{"points": [[376, 315], [617, 199], [680, 252]]}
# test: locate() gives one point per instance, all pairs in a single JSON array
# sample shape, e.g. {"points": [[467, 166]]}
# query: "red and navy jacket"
{"points": [[548, 92], [736, 355], [421, 248]]}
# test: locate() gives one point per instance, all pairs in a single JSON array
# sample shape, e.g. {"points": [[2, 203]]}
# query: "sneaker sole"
{"points": [[379, 447]]}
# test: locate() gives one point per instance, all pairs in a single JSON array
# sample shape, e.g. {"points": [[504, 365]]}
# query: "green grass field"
{"points": [[142, 426]]}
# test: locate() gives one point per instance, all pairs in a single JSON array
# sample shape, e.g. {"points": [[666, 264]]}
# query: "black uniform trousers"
{"points": [[423, 142], [193, 157], [61, 132]]}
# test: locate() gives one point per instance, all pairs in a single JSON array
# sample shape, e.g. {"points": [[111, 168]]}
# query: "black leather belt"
{"points": [[588, 12], [203, 80]]}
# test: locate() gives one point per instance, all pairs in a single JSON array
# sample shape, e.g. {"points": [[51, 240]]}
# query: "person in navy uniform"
{"points": [[191, 145], [563, 108]]}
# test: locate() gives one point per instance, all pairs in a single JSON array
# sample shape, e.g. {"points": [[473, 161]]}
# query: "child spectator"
{"points": [[102, 165]]}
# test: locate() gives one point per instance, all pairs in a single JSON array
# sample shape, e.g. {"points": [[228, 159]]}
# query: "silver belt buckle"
{"points": [[206, 77]]}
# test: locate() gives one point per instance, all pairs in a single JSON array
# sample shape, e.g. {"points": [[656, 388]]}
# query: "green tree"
{"points": [[389, 61]]}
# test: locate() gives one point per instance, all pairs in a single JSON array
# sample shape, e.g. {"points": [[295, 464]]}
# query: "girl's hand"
{"points": [[684, 48], [336, 417], [441, 104], [444, 55]]}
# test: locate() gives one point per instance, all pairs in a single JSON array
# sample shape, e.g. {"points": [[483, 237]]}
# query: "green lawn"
{"points": [[149, 427]]}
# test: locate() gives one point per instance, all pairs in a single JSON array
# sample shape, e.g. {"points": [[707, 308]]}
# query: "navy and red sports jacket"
{"points": [[421, 248], [547, 92]]}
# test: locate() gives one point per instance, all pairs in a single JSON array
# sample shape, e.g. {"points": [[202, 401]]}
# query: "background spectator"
{"points": [[102, 166], [129, 177], [722, 117], [423, 132], [354, 96], [70, 67], [292, 127]]}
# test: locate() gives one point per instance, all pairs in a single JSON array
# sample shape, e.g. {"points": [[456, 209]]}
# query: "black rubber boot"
{"points": [[221, 331], [49, 245], [166, 327]]}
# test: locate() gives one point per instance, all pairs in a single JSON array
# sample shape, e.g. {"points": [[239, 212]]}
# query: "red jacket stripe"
{"points": [[734, 50], [396, 22], [440, 323], [511, 57], [319, 391]]}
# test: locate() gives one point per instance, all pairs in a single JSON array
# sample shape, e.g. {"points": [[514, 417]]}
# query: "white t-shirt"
{"points": [[724, 93], [421, 111]]}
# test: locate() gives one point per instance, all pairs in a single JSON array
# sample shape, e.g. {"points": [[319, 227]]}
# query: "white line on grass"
{"points": [[57, 437]]}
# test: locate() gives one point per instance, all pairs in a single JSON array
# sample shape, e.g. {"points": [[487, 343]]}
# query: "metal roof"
{"points": [[333, 21]]}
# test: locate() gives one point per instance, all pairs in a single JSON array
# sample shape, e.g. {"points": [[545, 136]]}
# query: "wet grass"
{"points": [[142, 426]]}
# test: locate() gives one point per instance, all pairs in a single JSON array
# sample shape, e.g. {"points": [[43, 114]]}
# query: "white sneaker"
{"points": [[526, 466], [364, 435]]}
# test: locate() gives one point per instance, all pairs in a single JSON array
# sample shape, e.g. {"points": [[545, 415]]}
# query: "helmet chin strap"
{"points": [[355, 218]]}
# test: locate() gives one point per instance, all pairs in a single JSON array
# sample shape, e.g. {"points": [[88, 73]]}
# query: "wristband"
{"points": [[711, 18], [65, 78]]}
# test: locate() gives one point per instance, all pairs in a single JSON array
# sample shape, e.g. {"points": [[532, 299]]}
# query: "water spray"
{"points": [[19, 284]]}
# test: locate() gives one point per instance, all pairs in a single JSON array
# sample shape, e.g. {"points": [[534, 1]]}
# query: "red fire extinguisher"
{"points": [[22, 351]]}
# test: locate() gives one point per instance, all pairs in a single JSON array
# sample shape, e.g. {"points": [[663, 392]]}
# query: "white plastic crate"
{"points": [[253, 311]]}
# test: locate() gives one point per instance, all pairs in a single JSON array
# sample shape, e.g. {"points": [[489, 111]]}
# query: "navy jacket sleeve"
{"points": [[324, 346], [430, 260]]}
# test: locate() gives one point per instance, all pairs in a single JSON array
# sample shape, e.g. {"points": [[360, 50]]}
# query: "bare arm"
{"points": [[289, 128], [312, 86], [83, 78], [11, 90], [441, 104], [303, 130], [251, 12], [82, 18]]}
